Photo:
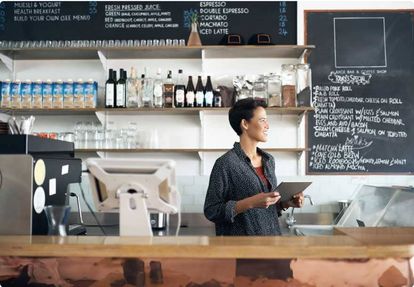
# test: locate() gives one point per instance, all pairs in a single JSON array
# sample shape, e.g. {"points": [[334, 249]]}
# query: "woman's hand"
{"points": [[264, 199], [260, 200], [297, 201]]}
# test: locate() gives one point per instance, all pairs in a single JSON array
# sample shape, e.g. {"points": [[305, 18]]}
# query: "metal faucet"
{"points": [[290, 220]]}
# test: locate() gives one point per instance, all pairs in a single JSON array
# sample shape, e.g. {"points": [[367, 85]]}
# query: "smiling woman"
{"points": [[241, 197]]}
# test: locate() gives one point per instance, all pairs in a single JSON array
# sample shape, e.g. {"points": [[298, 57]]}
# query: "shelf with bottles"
{"points": [[158, 52], [180, 150], [148, 111]]}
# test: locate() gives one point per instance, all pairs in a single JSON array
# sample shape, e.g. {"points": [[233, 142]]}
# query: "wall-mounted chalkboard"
{"points": [[104, 20], [363, 92]]}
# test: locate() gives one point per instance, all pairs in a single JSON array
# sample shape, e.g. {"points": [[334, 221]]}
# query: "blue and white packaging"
{"points": [[37, 94], [58, 94], [26, 94], [16, 93], [78, 94], [6, 94], [68, 94], [91, 93], [47, 94]]}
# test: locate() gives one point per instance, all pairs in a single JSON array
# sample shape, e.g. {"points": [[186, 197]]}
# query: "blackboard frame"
{"points": [[307, 115]]}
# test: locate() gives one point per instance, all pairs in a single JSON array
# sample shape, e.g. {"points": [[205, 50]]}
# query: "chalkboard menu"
{"points": [[89, 20], [363, 92]]}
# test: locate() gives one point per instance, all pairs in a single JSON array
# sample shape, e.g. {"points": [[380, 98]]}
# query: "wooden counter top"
{"points": [[353, 243]]}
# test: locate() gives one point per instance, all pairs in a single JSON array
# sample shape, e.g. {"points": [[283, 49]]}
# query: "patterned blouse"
{"points": [[234, 178]]}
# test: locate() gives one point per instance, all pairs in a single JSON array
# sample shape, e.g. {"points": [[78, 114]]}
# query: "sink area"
{"points": [[309, 224], [312, 230]]}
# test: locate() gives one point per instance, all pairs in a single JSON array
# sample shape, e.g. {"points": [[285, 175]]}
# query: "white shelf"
{"points": [[147, 111], [246, 51], [181, 150]]}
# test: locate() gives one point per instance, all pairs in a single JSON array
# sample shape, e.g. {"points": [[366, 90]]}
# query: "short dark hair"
{"points": [[243, 109]]}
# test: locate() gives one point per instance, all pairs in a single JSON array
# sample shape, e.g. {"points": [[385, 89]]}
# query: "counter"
{"points": [[359, 255], [347, 243]]}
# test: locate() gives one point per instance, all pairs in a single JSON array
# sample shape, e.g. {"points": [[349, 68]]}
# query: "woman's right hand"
{"points": [[264, 199]]}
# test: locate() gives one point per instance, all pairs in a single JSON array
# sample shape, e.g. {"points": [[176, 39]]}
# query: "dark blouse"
{"points": [[234, 178]]}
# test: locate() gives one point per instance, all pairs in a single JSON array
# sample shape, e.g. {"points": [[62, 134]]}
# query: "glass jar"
{"points": [[288, 85], [274, 90], [303, 85], [260, 89]]}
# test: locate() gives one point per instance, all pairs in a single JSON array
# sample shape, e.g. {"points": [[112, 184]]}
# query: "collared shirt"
{"points": [[234, 178]]}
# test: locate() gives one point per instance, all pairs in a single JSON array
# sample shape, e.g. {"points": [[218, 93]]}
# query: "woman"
{"points": [[241, 197]]}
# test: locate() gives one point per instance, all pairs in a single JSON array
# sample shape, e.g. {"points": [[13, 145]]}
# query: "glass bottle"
{"points": [[303, 85], [158, 100], [199, 93], [121, 89], [169, 91], [179, 93], [259, 89], [209, 95], [133, 84], [288, 85], [110, 90], [189, 96], [217, 102], [147, 91], [274, 90]]}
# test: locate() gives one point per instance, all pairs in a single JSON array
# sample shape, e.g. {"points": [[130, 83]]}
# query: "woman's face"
{"points": [[258, 126]]}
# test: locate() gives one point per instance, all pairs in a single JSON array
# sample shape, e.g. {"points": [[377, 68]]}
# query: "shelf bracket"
{"points": [[102, 154], [103, 59], [203, 57], [101, 117], [7, 61], [201, 115], [304, 56], [201, 155]]}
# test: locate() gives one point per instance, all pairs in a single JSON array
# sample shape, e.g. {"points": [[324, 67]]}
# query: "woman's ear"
{"points": [[244, 124]]}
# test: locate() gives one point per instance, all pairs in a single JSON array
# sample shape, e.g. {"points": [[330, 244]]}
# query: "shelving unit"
{"points": [[181, 150], [196, 134], [160, 52], [114, 111]]}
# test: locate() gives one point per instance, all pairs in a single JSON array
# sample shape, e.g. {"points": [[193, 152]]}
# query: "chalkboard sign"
{"points": [[363, 92], [89, 20]]}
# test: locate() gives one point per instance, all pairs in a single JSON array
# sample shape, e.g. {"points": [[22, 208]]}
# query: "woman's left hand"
{"points": [[297, 200]]}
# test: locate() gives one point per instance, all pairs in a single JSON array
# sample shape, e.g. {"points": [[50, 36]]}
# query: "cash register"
{"points": [[34, 172]]}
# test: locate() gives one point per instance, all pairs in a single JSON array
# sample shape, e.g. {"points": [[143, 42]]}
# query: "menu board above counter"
{"points": [[104, 20], [363, 71]]}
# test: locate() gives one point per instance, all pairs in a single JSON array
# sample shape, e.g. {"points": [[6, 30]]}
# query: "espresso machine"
{"points": [[34, 172]]}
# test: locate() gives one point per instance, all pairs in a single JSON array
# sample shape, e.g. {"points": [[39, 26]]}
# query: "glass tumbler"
{"points": [[57, 218]]}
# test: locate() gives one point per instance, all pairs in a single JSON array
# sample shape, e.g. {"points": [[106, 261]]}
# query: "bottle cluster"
{"points": [[49, 94], [159, 92]]}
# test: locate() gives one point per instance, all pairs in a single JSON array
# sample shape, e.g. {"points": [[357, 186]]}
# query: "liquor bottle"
{"points": [[217, 102], [121, 90], [158, 94], [179, 93], [199, 93], [133, 86], [110, 90], [189, 96], [147, 90], [169, 91], [209, 92]]}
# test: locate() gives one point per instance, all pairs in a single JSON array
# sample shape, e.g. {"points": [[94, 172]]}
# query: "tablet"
{"points": [[288, 189]]}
